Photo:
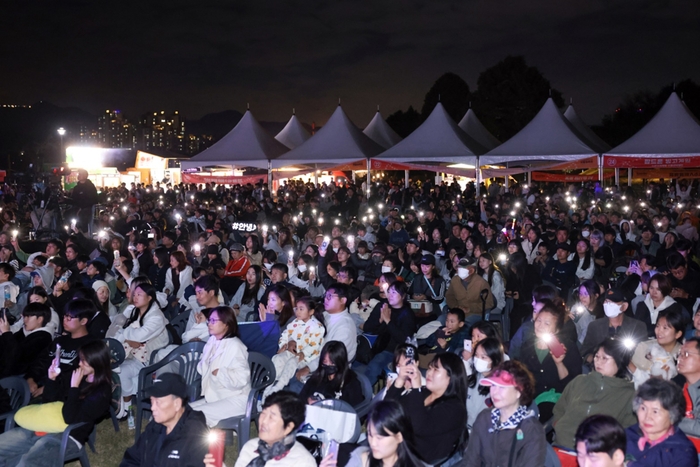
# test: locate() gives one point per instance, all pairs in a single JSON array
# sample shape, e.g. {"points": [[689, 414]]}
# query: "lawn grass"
{"points": [[111, 446]]}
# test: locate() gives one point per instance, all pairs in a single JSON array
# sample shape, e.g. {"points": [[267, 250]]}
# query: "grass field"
{"points": [[111, 446]]}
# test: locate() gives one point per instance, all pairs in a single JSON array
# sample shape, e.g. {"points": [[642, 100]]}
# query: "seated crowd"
{"points": [[495, 328]]}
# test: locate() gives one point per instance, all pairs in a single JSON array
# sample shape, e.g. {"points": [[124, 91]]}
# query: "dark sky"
{"points": [[207, 56]]}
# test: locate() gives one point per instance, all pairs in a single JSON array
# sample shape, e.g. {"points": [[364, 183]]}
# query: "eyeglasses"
{"points": [[686, 354], [69, 317], [599, 358], [213, 320], [330, 295]]}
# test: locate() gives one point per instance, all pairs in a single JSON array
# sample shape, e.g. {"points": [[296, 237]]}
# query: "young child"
{"points": [[361, 308], [451, 337], [299, 343]]}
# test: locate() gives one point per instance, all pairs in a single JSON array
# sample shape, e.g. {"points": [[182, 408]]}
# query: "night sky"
{"points": [[207, 56]]}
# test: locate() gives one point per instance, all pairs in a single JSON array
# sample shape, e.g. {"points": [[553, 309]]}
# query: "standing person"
{"points": [[175, 436], [509, 434], [84, 197], [224, 369], [85, 393]]}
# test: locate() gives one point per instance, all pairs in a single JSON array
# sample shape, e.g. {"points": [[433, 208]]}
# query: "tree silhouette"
{"points": [[509, 95], [638, 108], [453, 92], [403, 123]]}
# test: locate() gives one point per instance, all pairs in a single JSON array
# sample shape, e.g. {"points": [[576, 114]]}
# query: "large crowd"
{"points": [[497, 326]]}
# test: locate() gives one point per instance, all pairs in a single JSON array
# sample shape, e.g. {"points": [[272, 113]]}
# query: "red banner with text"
{"points": [[665, 173], [550, 177], [664, 162], [223, 180]]}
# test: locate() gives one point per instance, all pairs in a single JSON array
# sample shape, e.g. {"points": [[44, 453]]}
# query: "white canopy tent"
{"points": [[548, 137], [247, 145], [437, 139], [472, 126], [585, 131], [674, 131], [380, 132], [293, 134], [338, 141]]}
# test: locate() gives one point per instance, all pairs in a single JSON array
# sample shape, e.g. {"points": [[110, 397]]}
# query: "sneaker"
{"points": [[122, 412]]}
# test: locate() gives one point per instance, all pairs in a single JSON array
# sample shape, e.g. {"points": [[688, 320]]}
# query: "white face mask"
{"points": [[586, 233], [335, 250], [470, 224], [611, 309], [481, 366], [386, 269], [268, 266], [463, 273], [301, 268]]}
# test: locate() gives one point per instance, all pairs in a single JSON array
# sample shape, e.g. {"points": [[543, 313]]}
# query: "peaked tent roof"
{"points": [[585, 131], [674, 130], [247, 145], [338, 141], [438, 138], [548, 136], [380, 132], [293, 134], [474, 128]]}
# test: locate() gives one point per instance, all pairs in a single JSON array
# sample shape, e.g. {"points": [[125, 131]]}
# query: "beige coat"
{"points": [[461, 294]]}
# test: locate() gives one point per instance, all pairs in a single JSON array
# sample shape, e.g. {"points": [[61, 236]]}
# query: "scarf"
{"points": [[512, 422], [688, 402], [277, 451], [643, 441]]}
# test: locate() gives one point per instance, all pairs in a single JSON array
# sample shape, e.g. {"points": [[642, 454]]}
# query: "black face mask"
{"points": [[376, 259], [330, 369]]}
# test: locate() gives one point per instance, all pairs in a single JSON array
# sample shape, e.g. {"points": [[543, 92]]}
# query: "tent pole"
{"points": [[405, 176], [600, 169], [529, 175], [369, 177], [507, 181], [478, 177], [617, 178], [316, 175], [353, 176], [269, 175], [629, 176]]}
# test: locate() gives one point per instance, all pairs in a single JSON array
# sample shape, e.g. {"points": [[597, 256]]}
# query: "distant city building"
{"points": [[114, 131], [158, 130]]}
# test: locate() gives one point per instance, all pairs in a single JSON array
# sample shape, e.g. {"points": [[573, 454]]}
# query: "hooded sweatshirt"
{"points": [[20, 349]]}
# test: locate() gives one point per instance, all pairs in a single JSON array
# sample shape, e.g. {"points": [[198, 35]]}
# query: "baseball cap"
{"points": [[236, 247], [499, 378], [615, 295], [466, 262], [427, 259], [413, 241], [169, 384]]}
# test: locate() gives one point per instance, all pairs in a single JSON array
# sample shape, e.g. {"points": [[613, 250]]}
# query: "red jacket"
{"points": [[237, 268]]}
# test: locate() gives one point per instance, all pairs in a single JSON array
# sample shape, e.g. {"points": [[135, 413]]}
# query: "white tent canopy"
{"points": [[337, 142], [472, 126], [293, 134], [674, 130], [247, 145], [585, 131], [549, 136], [437, 139], [380, 132]]}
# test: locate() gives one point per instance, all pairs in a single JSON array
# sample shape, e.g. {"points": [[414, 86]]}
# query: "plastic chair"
{"points": [[363, 407], [81, 456], [566, 457], [262, 374], [18, 389], [188, 356], [342, 406], [503, 317], [116, 352], [179, 322]]}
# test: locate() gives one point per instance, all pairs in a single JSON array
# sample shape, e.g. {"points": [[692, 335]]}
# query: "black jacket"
{"points": [[185, 446], [19, 351]]}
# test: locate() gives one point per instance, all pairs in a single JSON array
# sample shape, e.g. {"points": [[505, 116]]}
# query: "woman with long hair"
{"points": [[179, 276], [333, 379], [252, 246], [102, 293], [488, 269], [224, 369], [248, 294], [488, 354], [159, 269], [390, 437], [279, 304], [658, 299], [437, 410], [587, 308], [586, 266], [429, 285], [142, 333], [86, 395]]}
